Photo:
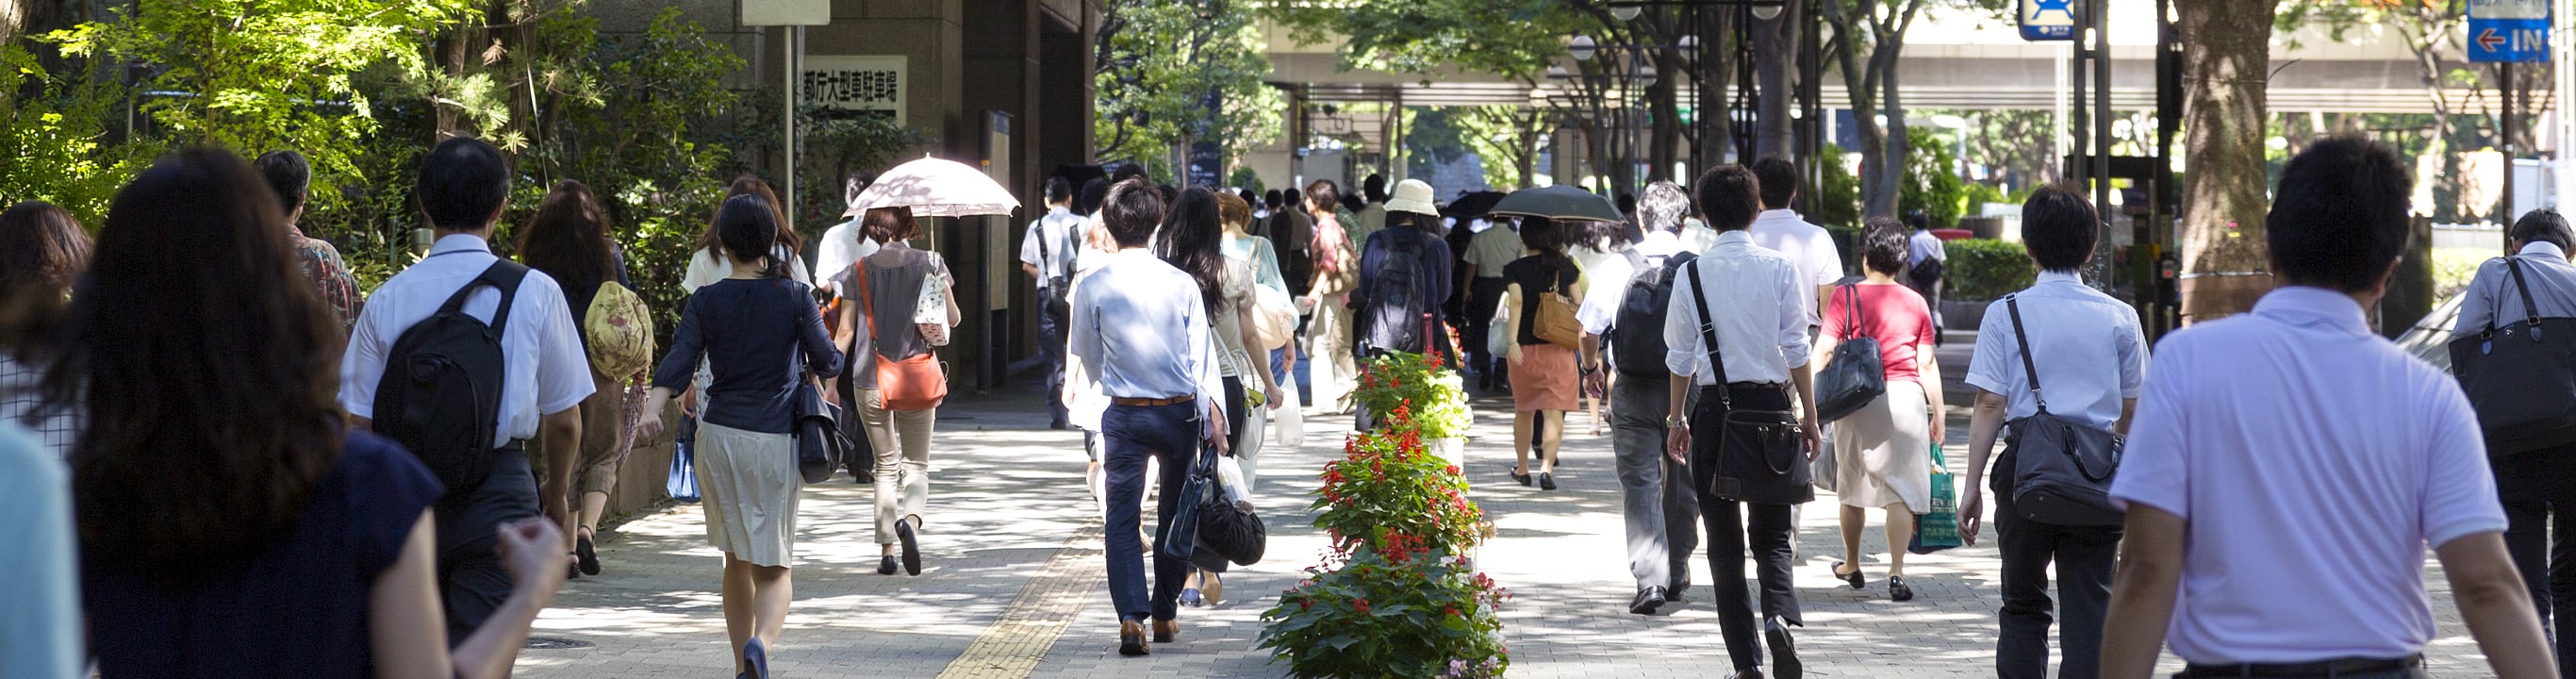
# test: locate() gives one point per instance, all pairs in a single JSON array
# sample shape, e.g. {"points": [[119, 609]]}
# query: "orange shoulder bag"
{"points": [[907, 384]]}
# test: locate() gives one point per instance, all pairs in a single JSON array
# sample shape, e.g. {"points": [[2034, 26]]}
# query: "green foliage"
{"points": [[1982, 269], [1385, 615], [1837, 201], [1433, 136], [1244, 178], [1515, 38], [837, 145], [1405, 389], [1174, 71], [1975, 195], [1932, 181], [54, 138], [1397, 597]]}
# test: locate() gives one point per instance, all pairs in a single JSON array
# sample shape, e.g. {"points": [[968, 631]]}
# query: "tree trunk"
{"points": [[1664, 148], [1891, 179], [2226, 56], [1775, 45], [1716, 132]]}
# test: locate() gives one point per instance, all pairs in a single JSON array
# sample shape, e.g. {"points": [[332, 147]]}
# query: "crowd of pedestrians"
{"points": [[395, 482]]}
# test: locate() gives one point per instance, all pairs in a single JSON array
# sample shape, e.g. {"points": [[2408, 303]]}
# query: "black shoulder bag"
{"points": [[820, 444], [2061, 472], [1759, 456], [2519, 380], [1855, 376]]}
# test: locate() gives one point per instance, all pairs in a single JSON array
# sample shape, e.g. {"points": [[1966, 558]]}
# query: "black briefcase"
{"points": [[2521, 377]]}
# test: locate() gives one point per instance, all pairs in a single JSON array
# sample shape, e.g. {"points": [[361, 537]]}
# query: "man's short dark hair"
{"points": [[1093, 192], [2059, 228], [1918, 219], [2544, 225], [1272, 198], [463, 183], [1627, 203], [2339, 218], [1374, 187], [1729, 196], [1131, 212], [1779, 181], [1058, 190], [1126, 172], [288, 174], [1664, 208]]}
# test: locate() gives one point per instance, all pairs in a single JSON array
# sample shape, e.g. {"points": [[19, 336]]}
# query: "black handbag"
{"points": [[1760, 455], [2062, 468], [820, 447], [2520, 381], [1226, 531], [1855, 376], [1180, 540]]}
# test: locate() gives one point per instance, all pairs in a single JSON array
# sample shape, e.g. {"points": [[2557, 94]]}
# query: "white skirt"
{"points": [[749, 485], [1883, 452]]}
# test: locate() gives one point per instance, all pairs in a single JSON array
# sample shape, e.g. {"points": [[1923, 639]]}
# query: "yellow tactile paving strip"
{"points": [[1013, 645]]}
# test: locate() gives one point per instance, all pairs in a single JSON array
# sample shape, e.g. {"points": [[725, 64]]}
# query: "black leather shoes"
{"points": [[1897, 591], [1784, 650], [1648, 599], [1546, 481], [1679, 592], [1522, 477], [1852, 577], [886, 565], [1746, 673], [906, 532]]}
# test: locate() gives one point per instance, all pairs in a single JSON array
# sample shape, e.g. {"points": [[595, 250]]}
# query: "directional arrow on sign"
{"points": [[2488, 40]]}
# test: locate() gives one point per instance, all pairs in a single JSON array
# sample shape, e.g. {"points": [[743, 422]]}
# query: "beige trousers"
{"points": [[902, 441]]}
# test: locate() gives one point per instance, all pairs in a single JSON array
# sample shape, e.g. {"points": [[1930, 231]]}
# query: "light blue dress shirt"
{"points": [[40, 619], [2086, 344], [2313, 461], [1141, 330]]}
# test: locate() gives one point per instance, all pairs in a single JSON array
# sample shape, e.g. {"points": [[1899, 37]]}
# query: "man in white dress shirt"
{"points": [[1754, 298], [1806, 245], [2288, 467], [464, 183], [1046, 255], [2090, 358], [1141, 333]]}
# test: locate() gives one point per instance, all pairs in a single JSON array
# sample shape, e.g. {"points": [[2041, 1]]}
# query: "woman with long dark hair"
{"points": [[905, 311], [1192, 240], [227, 512], [568, 240], [706, 266], [42, 249], [761, 335], [1544, 383]]}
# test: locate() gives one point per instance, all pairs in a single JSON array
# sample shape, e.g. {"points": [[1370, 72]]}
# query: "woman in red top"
{"points": [[1883, 450]]}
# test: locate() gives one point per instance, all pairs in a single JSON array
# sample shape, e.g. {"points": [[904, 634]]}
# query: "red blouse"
{"points": [[1893, 314]]}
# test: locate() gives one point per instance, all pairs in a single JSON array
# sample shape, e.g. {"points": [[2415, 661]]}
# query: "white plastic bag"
{"points": [[1230, 475]]}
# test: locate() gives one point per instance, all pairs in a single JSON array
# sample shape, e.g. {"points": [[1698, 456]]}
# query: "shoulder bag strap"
{"points": [[1852, 312], [1708, 336], [867, 301], [2022, 339], [2515, 265]]}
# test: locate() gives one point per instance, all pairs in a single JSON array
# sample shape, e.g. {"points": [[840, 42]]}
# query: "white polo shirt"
{"points": [[1808, 246], [543, 368], [2313, 461]]}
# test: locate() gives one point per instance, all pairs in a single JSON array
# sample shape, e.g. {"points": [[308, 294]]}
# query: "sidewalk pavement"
{"points": [[1013, 584]]}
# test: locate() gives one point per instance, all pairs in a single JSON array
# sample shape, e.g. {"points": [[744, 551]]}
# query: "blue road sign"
{"points": [[2046, 19], [2508, 30]]}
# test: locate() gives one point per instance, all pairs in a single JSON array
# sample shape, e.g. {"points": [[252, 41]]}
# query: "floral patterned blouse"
{"points": [[330, 276]]}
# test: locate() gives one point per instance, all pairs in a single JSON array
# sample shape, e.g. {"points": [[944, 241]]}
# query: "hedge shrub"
{"points": [[1985, 269]]}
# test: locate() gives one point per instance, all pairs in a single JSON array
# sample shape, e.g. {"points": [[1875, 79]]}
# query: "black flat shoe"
{"points": [[1546, 481], [908, 535], [1784, 650], [1648, 599], [1897, 591], [1852, 577], [1522, 477], [587, 555], [1677, 593], [886, 566]]}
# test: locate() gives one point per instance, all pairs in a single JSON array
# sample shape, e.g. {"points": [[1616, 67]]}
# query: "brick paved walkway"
{"points": [[1007, 500]]}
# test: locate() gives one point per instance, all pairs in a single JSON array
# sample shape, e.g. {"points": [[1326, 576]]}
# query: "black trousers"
{"points": [[2538, 490], [472, 582], [2083, 554], [1733, 527], [1486, 296], [1051, 332]]}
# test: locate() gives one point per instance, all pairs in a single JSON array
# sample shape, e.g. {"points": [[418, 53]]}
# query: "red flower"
{"points": [[1361, 604]]}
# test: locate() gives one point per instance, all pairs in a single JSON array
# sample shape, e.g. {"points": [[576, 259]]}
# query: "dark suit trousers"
{"points": [[2538, 489], [1733, 527], [2083, 554]]}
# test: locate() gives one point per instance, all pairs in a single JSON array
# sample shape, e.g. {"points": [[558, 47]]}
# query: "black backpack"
{"points": [[1637, 332], [440, 396], [1397, 304]]}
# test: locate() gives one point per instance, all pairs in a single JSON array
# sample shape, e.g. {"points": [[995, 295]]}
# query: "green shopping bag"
{"points": [[1938, 529]]}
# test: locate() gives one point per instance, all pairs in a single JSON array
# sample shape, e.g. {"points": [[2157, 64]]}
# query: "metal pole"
{"points": [[2504, 129], [2099, 19], [793, 48]]}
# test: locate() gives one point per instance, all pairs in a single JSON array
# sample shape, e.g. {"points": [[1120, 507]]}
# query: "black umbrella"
{"points": [[1560, 202], [1473, 205]]}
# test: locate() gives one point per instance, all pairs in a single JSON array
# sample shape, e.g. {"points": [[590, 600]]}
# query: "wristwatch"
{"points": [[1676, 423]]}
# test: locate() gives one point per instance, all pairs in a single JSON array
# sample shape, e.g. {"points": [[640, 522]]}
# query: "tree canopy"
{"points": [[1168, 72]]}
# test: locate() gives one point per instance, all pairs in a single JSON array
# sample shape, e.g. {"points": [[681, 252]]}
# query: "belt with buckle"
{"points": [[2323, 668], [1151, 402]]}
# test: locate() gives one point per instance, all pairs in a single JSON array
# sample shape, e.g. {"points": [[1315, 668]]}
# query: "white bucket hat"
{"points": [[1412, 195]]}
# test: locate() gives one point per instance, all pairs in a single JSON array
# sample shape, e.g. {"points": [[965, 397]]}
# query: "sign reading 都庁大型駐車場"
{"points": [[2508, 31], [868, 85], [2046, 19]]}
